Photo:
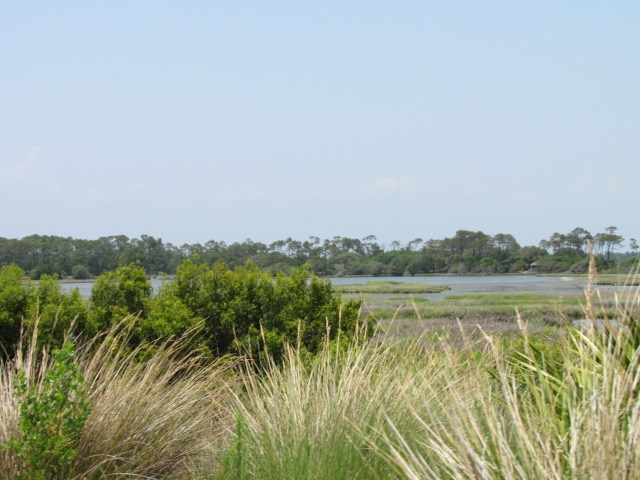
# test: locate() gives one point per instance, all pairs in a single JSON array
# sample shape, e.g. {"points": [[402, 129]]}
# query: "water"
{"points": [[484, 284], [85, 287], [599, 323], [491, 284], [459, 284]]}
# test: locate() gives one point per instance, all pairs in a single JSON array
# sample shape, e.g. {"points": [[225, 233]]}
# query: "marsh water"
{"points": [[457, 283]]}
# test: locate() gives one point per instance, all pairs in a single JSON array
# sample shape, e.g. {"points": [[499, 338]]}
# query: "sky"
{"points": [[201, 120]]}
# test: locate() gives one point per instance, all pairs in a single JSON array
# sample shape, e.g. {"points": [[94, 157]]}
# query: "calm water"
{"points": [[491, 284], [458, 284], [85, 287]]}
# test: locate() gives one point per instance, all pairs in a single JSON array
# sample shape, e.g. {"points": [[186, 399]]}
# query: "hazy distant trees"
{"points": [[465, 252], [608, 241]]}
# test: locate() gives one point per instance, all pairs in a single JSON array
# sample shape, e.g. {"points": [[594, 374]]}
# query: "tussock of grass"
{"points": [[563, 407], [158, 418], [314, 419]]}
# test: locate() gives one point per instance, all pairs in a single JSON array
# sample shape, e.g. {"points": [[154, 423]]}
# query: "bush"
{"points": [[580, 267], [14, 302], [53, 312], [246, 310], [125, 291], [52, 415], [167, 317], [80, 272]]}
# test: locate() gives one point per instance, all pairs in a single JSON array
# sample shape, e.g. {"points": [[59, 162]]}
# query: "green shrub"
{"points": [[125, 291], [52, 415], [53, 312], [167, 317], [531, 357], [80, 272], [246, 310], [14, 302]]}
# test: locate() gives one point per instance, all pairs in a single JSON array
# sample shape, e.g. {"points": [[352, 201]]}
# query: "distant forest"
{"points": [[467, 252]]}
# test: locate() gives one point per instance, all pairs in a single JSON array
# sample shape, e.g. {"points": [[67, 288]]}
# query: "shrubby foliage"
{"points": [[14, 302], [125, 291], [241, 310], [54, 310], [53, 411], [45, 306], [245, 310], [80, 272]]}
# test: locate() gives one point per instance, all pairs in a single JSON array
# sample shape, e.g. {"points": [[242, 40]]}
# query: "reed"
{"points": [[581, 420], [529, 408]]}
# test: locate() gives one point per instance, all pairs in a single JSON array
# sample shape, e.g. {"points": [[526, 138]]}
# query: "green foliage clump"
{"points": [[52, 416], [53, 312], [14, 301], [245, 310], [167, 317], [125, 291], [80, 272], [44, 306], [532, 355]]}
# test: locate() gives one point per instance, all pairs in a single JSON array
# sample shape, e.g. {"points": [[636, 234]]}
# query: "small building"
{"points": [[533, 268]]}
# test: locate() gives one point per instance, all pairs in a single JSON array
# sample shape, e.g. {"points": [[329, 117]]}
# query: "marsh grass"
{"points": [[578, 420], [528, 407], [617, 279], [391, 287], [315, 419], [542, 308]]}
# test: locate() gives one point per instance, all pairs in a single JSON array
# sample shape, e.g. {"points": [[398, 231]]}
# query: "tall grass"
{"points": [[164, 417], [563, 407], [313, 419], [581, 421], [524, 409]]}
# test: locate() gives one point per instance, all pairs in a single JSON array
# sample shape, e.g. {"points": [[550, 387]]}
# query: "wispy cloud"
{"points": [[584, 188], [380, 187], [386, 187], [605, 189], [621, 189], [247, 194], [132, 195], [390, 185], [13, 174]]}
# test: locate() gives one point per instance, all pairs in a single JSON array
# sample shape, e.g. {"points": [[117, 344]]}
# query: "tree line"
{"points": [[467, 252]]}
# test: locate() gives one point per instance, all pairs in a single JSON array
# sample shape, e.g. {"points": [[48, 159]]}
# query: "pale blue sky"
{"points": [[194, 121]]}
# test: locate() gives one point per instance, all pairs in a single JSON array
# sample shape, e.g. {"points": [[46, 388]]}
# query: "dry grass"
{"points": [[159, 418], [433, 410], [581, 421], [479, 407], [305, 419]]}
